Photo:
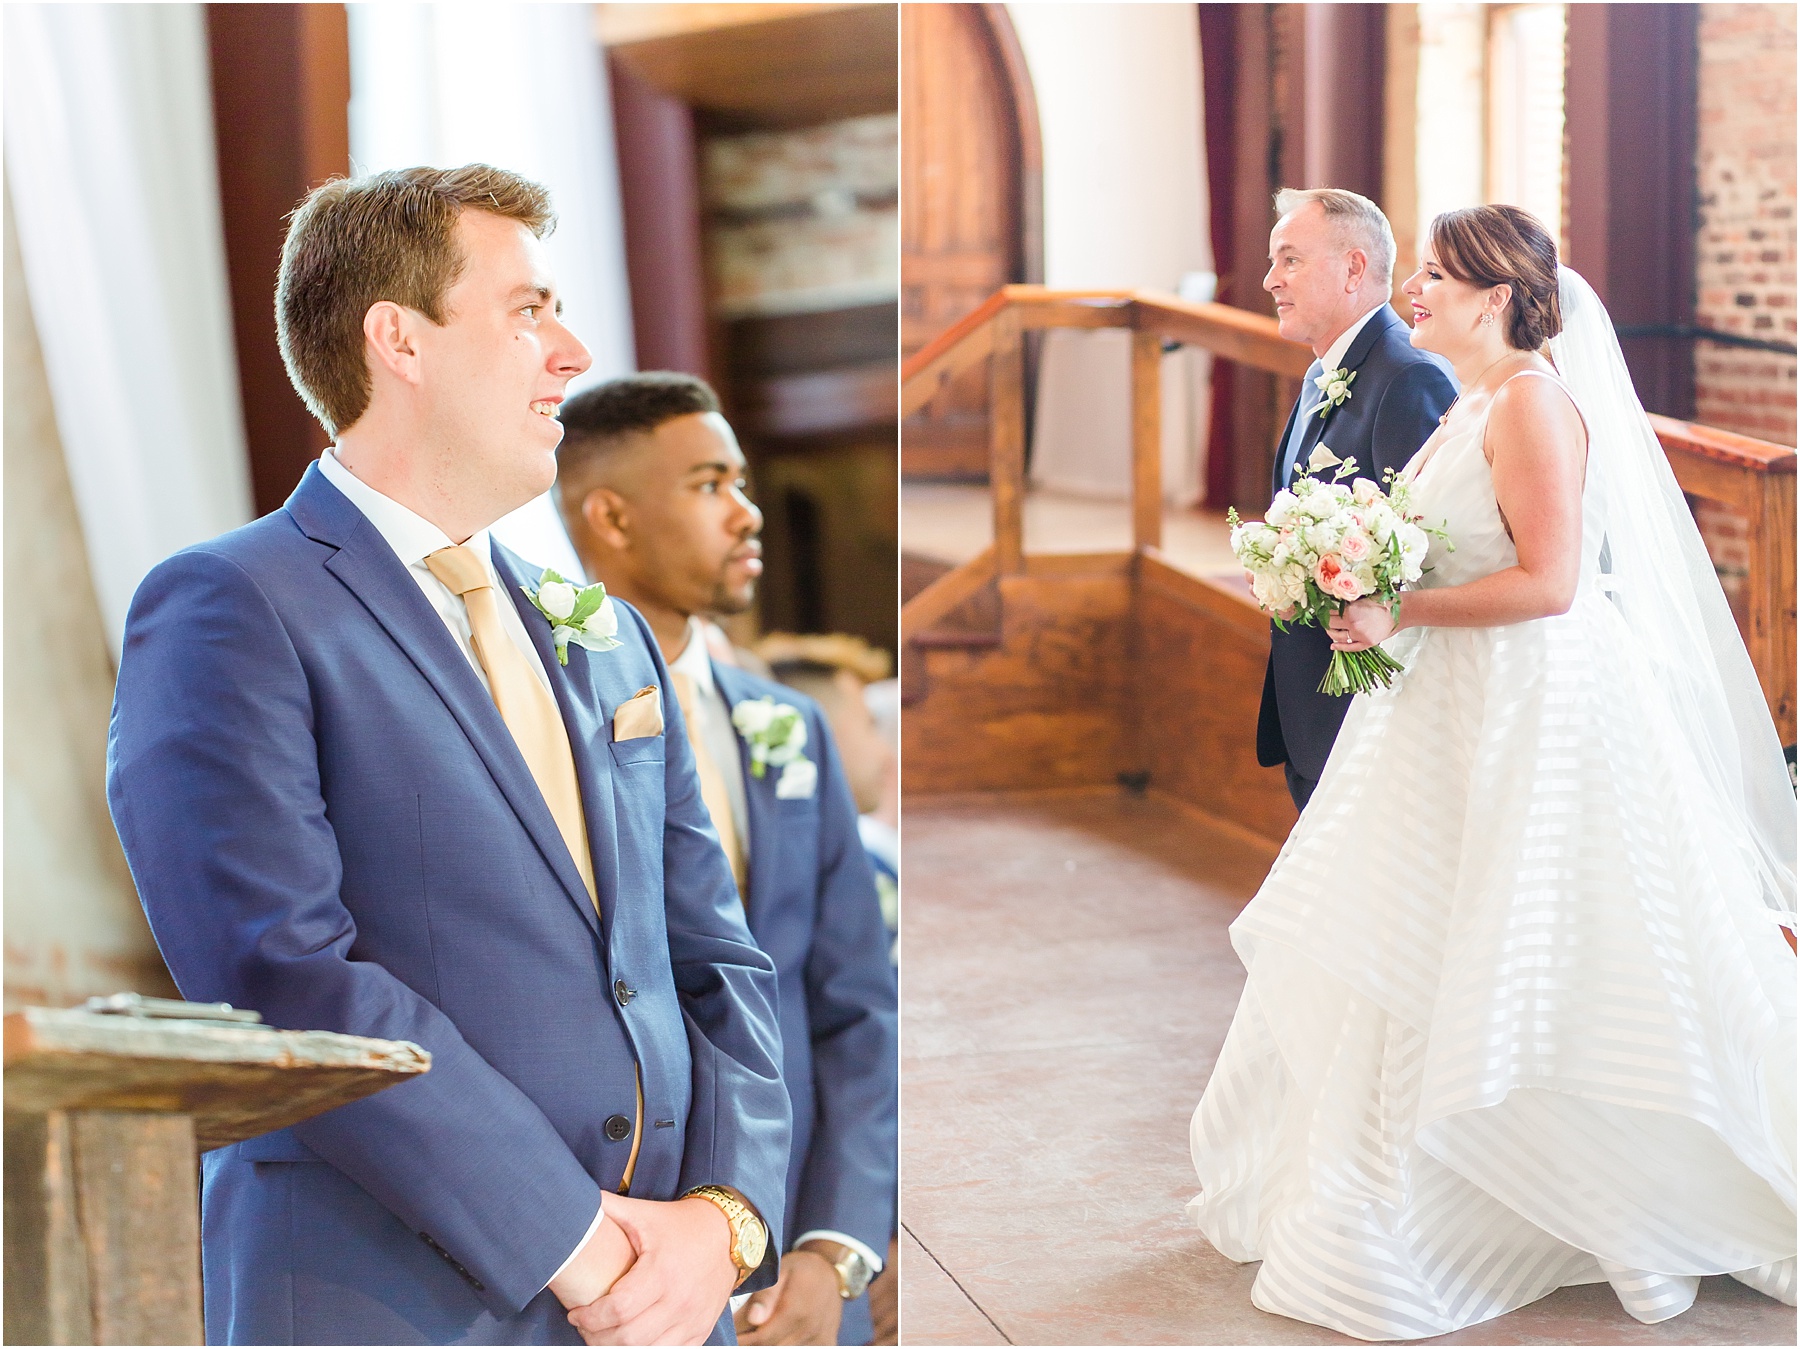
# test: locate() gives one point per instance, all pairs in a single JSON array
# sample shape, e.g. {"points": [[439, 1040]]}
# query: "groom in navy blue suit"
{"points": [[1331, 270], [651, 488], [360, 790]]}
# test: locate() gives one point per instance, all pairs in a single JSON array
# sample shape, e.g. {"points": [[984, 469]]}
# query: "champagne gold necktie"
{"points": [[526, 706], [712, 782]]}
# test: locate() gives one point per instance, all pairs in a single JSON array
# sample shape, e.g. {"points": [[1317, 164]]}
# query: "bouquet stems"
{"points": [[1359, 671]]}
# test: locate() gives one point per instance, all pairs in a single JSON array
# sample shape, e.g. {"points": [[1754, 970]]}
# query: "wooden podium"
{"points": [[105, 1118]]}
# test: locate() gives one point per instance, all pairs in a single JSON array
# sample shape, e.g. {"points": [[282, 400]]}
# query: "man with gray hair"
{"points": [[1331, 271]]}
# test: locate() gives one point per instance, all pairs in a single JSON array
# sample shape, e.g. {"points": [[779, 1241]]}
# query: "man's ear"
{"points": [[1359, 267], [389, 333], [607, 514]]}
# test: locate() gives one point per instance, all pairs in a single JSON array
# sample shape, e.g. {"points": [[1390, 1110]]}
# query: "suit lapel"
{"points": [[1284, 471], [759, 797], [368, 568], [1354, 355], [586, 722]]}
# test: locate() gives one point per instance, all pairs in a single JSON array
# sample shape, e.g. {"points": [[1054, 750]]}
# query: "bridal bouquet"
{"points": [[1324, 545]]}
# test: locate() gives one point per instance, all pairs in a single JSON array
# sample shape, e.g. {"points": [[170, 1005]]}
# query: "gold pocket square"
{"points": [[639, 716]]}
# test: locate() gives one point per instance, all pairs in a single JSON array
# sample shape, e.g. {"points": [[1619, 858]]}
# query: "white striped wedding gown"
{"points": [[1516, 1016]]}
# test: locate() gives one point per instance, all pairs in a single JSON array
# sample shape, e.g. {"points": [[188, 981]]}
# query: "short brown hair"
{"points": [[1504, 246], [354, 242]]}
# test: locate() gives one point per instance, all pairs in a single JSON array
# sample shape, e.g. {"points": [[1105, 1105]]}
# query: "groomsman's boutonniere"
{"points": [[1335, 385], [776, 733], [583, 615]]}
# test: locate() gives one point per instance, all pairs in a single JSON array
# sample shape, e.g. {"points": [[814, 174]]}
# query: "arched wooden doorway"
{"points": [[970, 205]]}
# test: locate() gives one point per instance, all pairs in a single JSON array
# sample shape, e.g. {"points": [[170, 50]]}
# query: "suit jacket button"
{"points": [[618, 1128], [623, 992]]}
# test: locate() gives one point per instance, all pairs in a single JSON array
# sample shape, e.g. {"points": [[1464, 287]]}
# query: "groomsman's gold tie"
{"points": [[712, 781], [526, 706]]}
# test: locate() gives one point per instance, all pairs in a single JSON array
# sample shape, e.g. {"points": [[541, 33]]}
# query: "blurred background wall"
{"points": [[726, 180], [1658, 141]]}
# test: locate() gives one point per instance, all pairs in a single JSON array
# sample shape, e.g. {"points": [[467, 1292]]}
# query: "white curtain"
{"points": [[522, 87], [109, 154], [1119, 103]]}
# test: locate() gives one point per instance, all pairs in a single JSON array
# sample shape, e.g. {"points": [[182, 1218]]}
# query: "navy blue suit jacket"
{"points": [[813, 907], [1394, 405], [328, 821]]}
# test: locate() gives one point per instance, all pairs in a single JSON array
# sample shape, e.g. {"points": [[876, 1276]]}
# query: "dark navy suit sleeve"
{"points": [[213, 779], [738, 1128], [1410, 407], [848, 1182]]}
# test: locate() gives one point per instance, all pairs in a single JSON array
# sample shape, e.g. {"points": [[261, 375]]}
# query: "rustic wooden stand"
{"points": [[105, 1118]]}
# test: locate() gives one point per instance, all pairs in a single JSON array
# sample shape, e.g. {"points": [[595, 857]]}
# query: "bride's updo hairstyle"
{"points": [[1504, 246]]}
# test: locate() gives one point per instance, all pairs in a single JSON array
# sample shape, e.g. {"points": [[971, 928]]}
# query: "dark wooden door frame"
{"points": [[1632, 118], [996, 27], [281, 124]]}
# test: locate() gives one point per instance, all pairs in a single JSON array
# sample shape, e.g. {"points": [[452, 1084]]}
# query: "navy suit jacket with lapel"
{"points": [[813, 907], [1394, 405], [328, 821]]}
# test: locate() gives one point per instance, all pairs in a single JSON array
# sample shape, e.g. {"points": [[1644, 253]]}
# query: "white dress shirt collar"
{"points": [[1334, 354], [409, 534], [695, 661]]}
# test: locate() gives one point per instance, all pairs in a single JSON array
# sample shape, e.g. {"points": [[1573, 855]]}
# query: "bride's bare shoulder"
{"points": [[1534, 407]]}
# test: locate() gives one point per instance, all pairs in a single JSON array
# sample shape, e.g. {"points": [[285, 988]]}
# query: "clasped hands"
{"points": [[654, 1272]]}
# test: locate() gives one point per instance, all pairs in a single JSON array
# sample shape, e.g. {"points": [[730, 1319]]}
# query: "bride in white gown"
{"points": [[1519, 1012]]}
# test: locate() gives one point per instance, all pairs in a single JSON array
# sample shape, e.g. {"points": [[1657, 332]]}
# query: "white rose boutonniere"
{"points": [[1335, 385], [583, 615], [776, 734]]}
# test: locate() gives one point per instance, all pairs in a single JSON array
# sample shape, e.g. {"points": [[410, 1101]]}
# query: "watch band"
{"points": [[854, 1272], [749, 1237]]}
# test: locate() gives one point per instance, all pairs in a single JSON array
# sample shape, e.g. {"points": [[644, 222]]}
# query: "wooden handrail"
{"points": [[1753, 476], [946, 594], [1722, 447]]}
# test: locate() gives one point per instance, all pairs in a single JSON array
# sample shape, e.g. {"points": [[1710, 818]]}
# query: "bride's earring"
{"points": [[1487, 319]]}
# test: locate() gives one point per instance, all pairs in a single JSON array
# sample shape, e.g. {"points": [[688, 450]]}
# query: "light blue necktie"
{"points": [[1310, 396]]}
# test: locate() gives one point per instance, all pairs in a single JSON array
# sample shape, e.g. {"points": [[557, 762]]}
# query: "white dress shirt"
{"points": [[1334, 354], [715, 729], [413, 537]]}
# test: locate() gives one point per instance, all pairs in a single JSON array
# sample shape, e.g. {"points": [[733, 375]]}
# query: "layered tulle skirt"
{"points": [[1516, 1015]]}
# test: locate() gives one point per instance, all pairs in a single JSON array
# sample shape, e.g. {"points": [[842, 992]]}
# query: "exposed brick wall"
{"points": [[1745, 254]]}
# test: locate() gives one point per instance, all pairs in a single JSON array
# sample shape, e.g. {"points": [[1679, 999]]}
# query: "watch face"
{"points": [[753, 1241], [854, 1273]]}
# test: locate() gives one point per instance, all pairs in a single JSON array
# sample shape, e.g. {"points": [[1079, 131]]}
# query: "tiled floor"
{"points": [[1066, 980]]}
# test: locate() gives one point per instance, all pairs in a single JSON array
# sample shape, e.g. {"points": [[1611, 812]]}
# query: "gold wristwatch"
{"points": [[749, 1238]]}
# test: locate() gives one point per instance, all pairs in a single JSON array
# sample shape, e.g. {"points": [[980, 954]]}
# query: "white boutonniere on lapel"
{"points": [[776, 734], [1335, 385], [583, 615]]}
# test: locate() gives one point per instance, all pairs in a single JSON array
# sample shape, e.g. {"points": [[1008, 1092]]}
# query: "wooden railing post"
{"points": [[1006, 443], [1771, 598], [1146, 440]]}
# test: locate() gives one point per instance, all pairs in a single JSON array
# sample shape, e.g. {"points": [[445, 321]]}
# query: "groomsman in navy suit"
{"points": [[361, 789], [651, 488], [1331, 271]]}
